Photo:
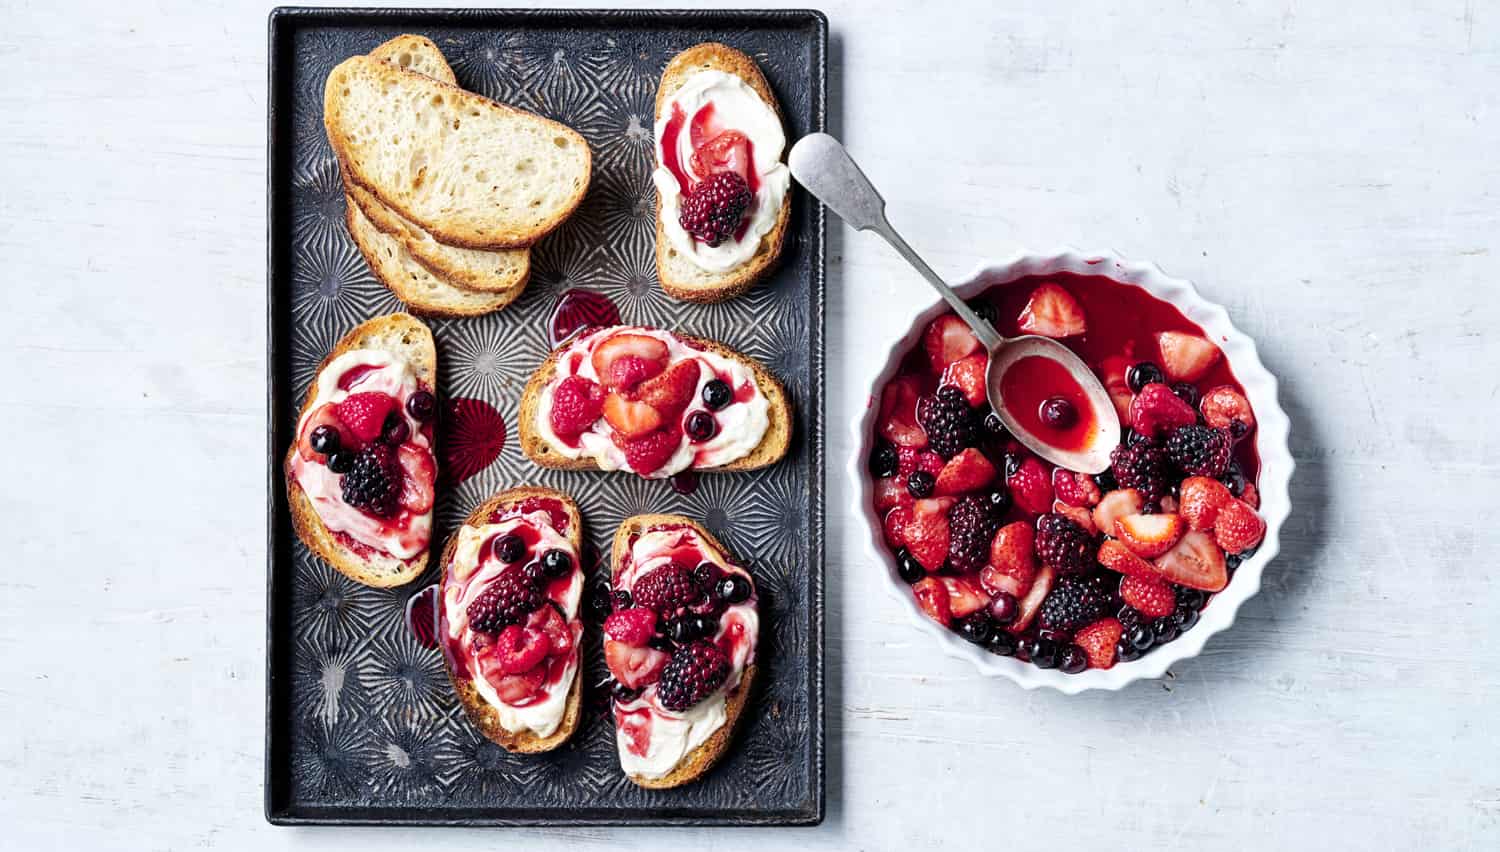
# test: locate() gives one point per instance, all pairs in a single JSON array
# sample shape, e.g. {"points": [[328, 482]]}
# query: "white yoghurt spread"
{"points": [[737, 107]]}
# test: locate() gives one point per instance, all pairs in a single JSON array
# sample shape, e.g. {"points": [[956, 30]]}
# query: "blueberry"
{"points": [[733, 588], [984, 309], [556, 563], [1164, 629], [1190, 598], [1044, 654], [622, 693], [1187, 392], [1106, 480], [1012, 464], [1129, 616], [717, 394], [1142, 374], [325, 440], [1140, 637], [395, 431], [1004, 608], [1074, 660], [994, 427], [920, 484], [998, 503], [341, 461], [976, 628], [701, 426], [704, 625], [1185, 618], [684, 629], [908, 567], [1234, 479], [622, 599], [421, 406], [1231, 561], [1126, 652], [1001, 643], [509, 548], [1025, 647], [600, 603], [884, 462], [1058, 413]]}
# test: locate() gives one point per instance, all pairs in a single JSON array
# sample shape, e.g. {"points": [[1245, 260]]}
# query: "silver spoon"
{"points": [[821, 164]]}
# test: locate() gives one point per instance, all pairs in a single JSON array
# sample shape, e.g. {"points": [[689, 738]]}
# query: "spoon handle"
{"points": [[826, 170]]}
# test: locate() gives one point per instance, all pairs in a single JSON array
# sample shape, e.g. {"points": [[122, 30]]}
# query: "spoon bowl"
{"points": [[1104, 432]]}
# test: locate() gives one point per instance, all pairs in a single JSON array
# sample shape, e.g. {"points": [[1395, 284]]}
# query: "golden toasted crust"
{"points": [[418, 54], [480, 713], [422, 291], [702, 758], [679, 277], [772, 448], [408, 337]]}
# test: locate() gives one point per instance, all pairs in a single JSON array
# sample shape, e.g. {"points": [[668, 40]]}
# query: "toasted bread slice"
{"points": [[417, 54], [469, 171], [680, 277], [412, 282], [702, 758], [409, 338], [480, 713], [771, 449]]}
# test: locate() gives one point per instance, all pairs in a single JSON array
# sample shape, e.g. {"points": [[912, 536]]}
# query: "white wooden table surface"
{"points": [[1327, 172]]}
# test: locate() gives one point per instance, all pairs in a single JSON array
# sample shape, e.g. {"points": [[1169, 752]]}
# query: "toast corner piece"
{"points": [[478, 711]]}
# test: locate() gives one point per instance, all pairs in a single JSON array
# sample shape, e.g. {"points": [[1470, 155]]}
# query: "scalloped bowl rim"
{"points": [[1272, 430]]}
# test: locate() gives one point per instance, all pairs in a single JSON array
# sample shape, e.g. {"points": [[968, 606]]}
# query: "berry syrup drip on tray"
{"points": [[1057, 568]]}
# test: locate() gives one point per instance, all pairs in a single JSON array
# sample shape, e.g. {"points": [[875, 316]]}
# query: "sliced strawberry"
{"points": [[1157, 411], [1115, 505], [1196, 562], [1077, 514], [927, 533], [948, 339], [1167, 503], [891, 493], [895, 526], [631, 666], [967, 374], [967, 471], [419, 475], [1149, 595], [515, 688], [324, 416], [633, 627], [1100, 641], [1075, 489], [519, 649], [1238, 528], [628, 418], [652, 352], [550, 621], [364, 413], [932, 597], [627, 371], [1223, 406], [670, 392], [576, 404], [1031, 487], [1185, 357], [1117, 557], [1033, 599], [1112, 374], [898, 413], [1149, 536], [727, 152], [1199, 501], [963, 597], [1053, 312], [1012, 565], [704, 126], [650, 452]]}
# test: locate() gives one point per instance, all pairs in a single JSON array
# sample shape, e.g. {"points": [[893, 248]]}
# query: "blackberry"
{"points": [[1203, 450], [666, 589], [970, 528], [712, 210], [948, 421], [507, 601], [1187, 392], [1073, 603], [920, 483], [693, 673], [1065, 545], [373, 484], [999, 503], [1142, 466]]}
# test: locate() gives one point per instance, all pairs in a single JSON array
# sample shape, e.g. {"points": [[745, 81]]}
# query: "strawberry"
{"points": [[967, 374], [576, 404], [727, 152], [926, 533], [1030, 604], [1012, 565], [324, 416], [1117, 557], [1152, 597], [550, 621], [1075, 489], [1156, 411], [1224, 405], [417, 483], [1185, 357], [631, 666], [1238, 528], [1112, 375], [898, 413], [1030, 487], [1099, 641], [967, 471], [963, 598], [1199, 501], [670, 392], [1077, 514], [634, 626], [1053, 312], [1167, 503], [515, 688], [947, 340], [1149, 536], [933, 597], [895, 526], [646, 454], [1251, 496], [1117, 504], [1196, 562], [891, 493], [911, 459], [627, 371], [651, 352], [364, 413], [630, 419], [519, 649]]}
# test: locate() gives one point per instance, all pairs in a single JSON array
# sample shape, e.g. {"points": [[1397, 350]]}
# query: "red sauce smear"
{"points": [[473, 436], [669, 136], [1033, 380]]}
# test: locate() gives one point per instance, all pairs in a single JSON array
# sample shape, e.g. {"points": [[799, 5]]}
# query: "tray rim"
{"points": [[281, 21]]}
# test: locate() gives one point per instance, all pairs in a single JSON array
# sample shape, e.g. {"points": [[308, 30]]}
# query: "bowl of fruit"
{"points": [[1059, 578]]}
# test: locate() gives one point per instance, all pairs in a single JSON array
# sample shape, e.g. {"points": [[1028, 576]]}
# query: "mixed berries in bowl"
{"points": [[1056, 577]]}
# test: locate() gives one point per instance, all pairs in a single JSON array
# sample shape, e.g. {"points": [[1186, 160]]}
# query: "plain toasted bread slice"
{"points": [[772, 448], [480, 713], [702, 758], [680, 277], [413, 283], [469, 171], [408, 338], [417, 54]]}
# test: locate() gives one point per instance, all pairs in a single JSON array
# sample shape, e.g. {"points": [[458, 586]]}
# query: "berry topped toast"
{"points": [[680, 644], [508, 619], [721, 189], [653, 402], [360, 476]]}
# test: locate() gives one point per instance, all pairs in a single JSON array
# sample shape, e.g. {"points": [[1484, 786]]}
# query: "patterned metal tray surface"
{"points": [[362, 722]]}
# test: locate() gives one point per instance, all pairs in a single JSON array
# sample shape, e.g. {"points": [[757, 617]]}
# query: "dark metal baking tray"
{"points": [[361, 723]]}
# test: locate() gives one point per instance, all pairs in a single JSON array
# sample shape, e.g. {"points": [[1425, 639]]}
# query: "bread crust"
{"points": [[391, 51], [481, 715], [735, 282], [698, 761], [387, 272], [772, 448], [371, 334]]}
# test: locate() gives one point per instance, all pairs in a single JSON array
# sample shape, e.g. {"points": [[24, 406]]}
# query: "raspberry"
{"points": [[373, 485], [364, 413], [970, 528], [634, 626], [1202, 450], [652, 450], [1149, 596], [693, 673], [1064, 545], [507, 601], [666, 589], [576, 404], [1072, 603], [1141, 466], [948, 421], [712, 210]]}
